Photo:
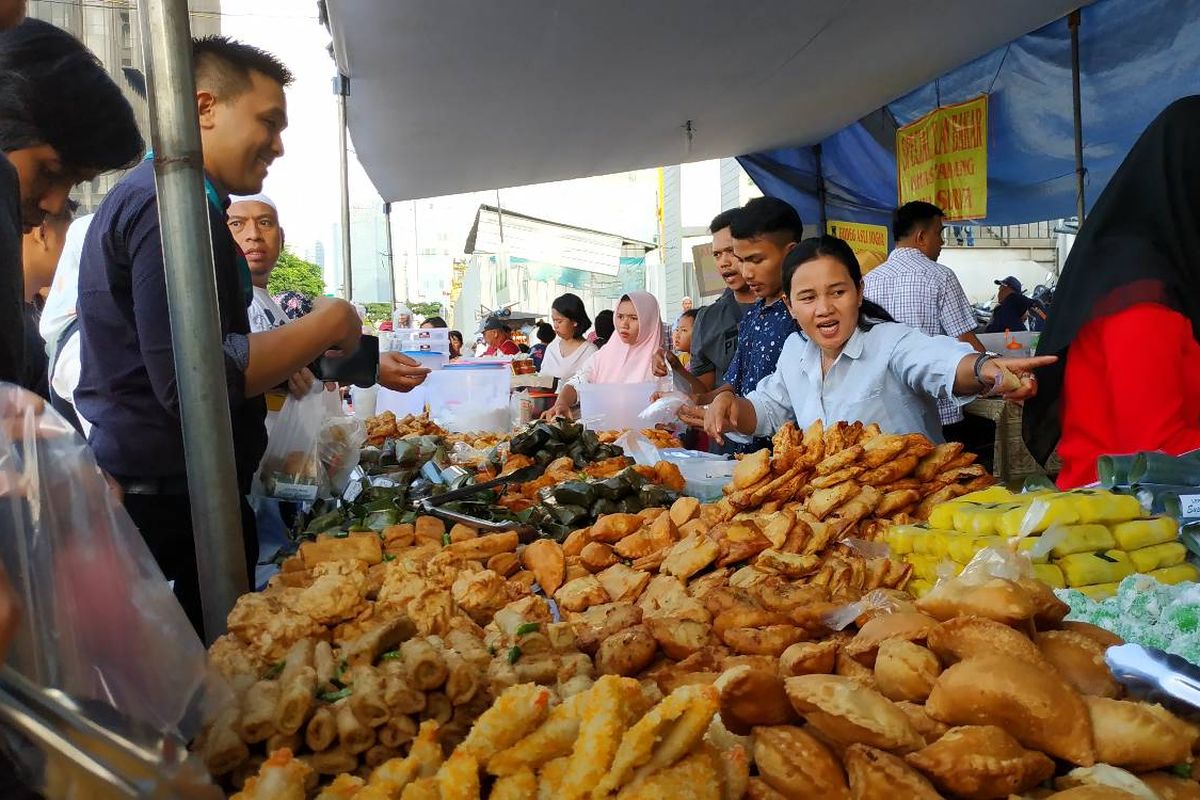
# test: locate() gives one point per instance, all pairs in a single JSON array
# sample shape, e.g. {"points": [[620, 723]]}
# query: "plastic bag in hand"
{"points": [[664, 410], [312, 449], [98, 620]]}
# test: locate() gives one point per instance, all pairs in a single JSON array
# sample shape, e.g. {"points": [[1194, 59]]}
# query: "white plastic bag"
{"points": [[312, 449], [664, 410], [97, 618]]}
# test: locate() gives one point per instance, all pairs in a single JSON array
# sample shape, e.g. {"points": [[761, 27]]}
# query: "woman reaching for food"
{"points": [[627, 358], [1126, 321], [852, 362]]}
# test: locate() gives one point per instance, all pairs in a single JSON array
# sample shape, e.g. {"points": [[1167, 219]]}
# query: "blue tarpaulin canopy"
{"points": [[1136, 56]]}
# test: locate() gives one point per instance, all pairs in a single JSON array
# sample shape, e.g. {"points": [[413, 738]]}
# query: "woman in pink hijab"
{"points": [[627, 358]]}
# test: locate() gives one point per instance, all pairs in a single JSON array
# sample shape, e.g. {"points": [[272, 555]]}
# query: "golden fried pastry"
{"points": [[1138, 736], [980, 762], [751, 469], [1032, 703], [546, 560], [847, 712], [769, 640], [679, 637], [612, 528], [1171, 787], [911, 626], [1049, 611], [847, 667], [754, 698], [796, 765], [1081, 661], [995, 598], [961, 638], [1093, 793], [905, 671], [1097, 634], [876, 775], [696, 777], [1106, 775], [930, 729], [808, 658]]}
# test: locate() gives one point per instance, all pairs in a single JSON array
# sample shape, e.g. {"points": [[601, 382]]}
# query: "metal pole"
{"points": [[1073, 20], [192, 301], [341, 87], [391, 256]]}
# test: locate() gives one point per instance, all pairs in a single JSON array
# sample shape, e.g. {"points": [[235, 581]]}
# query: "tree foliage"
{"points": [[293, 273]]}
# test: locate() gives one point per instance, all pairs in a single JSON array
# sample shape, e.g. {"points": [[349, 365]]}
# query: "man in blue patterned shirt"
{"points": [[764, 231]]}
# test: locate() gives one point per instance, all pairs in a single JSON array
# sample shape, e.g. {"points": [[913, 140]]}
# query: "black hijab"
{"points": [[1140, 244]]}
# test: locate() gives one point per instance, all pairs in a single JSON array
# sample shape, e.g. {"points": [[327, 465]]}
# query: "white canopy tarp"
{"points": [[449, 96]]}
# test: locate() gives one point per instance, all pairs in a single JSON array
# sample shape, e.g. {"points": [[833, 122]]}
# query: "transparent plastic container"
{"points": [[433, 360], [614, 406], [429, 340], [470, 398], [704, 478]]}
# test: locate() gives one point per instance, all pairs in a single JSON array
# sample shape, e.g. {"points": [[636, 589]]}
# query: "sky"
{"points": [[305, 184]]}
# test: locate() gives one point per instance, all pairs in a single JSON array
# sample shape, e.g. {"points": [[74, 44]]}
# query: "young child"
{"points": [[681, 338]]}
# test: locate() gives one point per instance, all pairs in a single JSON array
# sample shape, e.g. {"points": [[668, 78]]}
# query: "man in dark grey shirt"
{"points": [[715, 332]]}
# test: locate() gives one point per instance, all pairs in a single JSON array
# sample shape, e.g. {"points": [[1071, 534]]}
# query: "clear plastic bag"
{"points": [[664, 410], [312, 450], [97, 618], [639, 448]]}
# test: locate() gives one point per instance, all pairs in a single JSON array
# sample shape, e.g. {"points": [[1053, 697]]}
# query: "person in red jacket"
{"points": [[1127, 313], [499, 339]]}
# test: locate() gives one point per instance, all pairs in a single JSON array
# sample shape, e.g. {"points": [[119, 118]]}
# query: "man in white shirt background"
{"points": [[918, 291]]}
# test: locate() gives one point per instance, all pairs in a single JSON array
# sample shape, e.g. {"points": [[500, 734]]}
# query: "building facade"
{"points": [[111, 30]]}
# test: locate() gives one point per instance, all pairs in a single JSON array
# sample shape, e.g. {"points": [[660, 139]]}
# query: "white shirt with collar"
{"points": [[891, 374]]}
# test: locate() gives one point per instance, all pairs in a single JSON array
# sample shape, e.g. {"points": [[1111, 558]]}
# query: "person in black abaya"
{"points": [[1127, 312]]}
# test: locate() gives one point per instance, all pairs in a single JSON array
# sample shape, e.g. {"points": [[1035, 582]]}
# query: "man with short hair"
{"points": [[127, 388], [62, 121], [763, 231], [715, 329], [918, 291]]}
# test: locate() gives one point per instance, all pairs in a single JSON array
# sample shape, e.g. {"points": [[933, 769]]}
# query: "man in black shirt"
{"points": [[127, 386], [62, 121]]}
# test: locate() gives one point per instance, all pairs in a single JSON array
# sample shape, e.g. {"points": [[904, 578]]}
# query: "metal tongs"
{"points": [[1158, 677], [432, 505], [91, 750]]}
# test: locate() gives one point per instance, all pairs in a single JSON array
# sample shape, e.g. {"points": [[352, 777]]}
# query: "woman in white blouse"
{"points": [[852, 362], [569, 352]]}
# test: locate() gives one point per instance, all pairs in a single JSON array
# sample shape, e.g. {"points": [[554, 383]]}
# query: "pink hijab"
{"points": [[618, 362]]}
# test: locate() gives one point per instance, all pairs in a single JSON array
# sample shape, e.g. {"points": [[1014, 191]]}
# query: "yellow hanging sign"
{"points": [[869, 242], [941, 158]]}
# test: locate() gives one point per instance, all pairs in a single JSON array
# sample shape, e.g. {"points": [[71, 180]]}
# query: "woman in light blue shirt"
{"points": [[852, 362]]}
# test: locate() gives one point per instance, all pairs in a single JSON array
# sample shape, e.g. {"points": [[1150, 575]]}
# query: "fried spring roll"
{"points": [[224, 749], [333, 761], [462, 680], [402, 698], [321, 730], [424, 664], [258, 711], [367, 700], [325, 663], [438, 708], [353, 736], [397, 731], [296, 695]]}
